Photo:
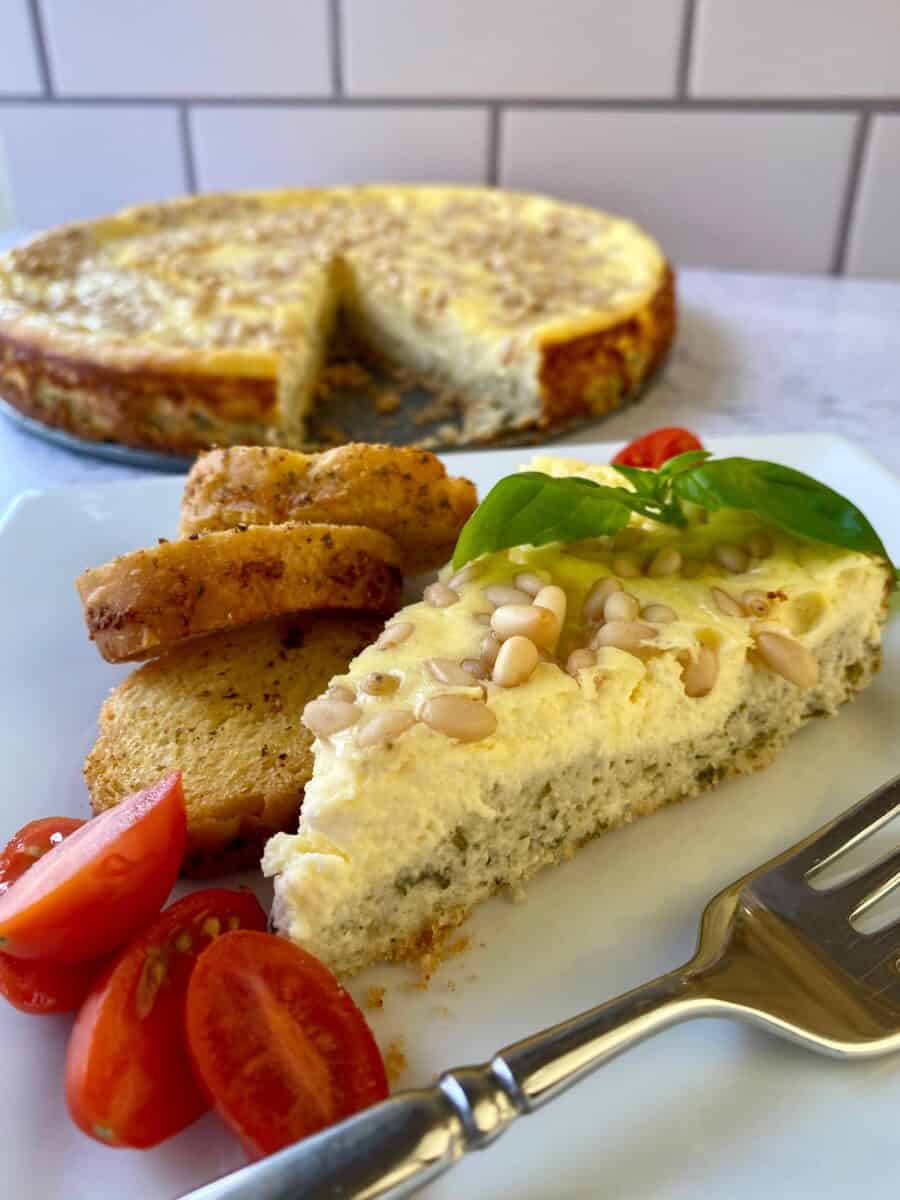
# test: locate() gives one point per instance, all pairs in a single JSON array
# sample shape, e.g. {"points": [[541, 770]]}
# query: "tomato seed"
{"points": [[104, 1132], [212, 927], [152, 975], [234, 922], [183, 942]]}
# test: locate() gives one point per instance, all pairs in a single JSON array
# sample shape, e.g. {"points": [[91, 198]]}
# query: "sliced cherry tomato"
{"points": [[89, 894], [129, 1080], [31, 843], [29, 985], [42, 988], [653, 449], [279, 1045]]}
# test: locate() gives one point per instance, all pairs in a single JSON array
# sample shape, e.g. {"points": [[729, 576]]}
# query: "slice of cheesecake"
{"points": [[542, 696]]}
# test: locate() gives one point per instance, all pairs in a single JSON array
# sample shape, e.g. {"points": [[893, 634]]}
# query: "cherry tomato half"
{"points": [[653, 449], [129, 1080], [279, 1045], [31, 843], [28, 984], [86, 896]]}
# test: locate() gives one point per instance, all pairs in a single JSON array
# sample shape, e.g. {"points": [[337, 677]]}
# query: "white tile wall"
{"points": [[731, 127], [268, 147], [188, 47], [67, 162], [511, 47], [18, 56], [723, 189], [875, 241], [796, 48]]}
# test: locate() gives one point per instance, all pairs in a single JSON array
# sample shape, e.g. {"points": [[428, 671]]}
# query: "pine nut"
{"points": [[621, 606], [383, 727], [459, 717], [596, 598], [465, 575], [447, 670], [732, 558], [476, 668], [580, 660], [629, 636], [626, 567], [554, 598], [324, 717], [726, 604], [498, 594], [528, 620], [438, 595], [755, 602], [627, 538], [490, 648], [393, 635], [699, 675], [515, 663], [666, 561], [530, 583], [340, 691], [379, 683], [659, 614], [790, 659], [759, 544]]}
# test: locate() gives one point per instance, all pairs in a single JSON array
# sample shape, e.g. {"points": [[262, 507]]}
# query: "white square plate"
{"points": [[709, 1109]]}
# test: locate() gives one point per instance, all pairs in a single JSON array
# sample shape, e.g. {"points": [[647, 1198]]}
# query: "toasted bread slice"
{"points": [[146, 602], [405, 493], [226, 710]]}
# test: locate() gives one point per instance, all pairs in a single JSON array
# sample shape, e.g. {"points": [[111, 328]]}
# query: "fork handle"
{"points": [[396, 1147]]}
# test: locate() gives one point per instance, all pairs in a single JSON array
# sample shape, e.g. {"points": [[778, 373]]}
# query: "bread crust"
{"points": [[148, 601], [225, 711], [403, 492]]}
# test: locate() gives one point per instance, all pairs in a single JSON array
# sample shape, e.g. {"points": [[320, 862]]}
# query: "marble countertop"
{"points": [[756, 353]]}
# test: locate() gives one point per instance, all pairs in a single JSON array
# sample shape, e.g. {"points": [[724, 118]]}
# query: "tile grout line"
{"points": [[39, 38], [187, 147], [335, 41], [851, 193], [685, 50], [492, 171], [731, 104]]}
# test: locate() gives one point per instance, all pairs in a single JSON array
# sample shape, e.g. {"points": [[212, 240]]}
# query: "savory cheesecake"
{"points": [[206, 321], [545, 694]]}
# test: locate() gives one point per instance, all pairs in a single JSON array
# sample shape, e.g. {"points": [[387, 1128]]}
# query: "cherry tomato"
{"points": [[42, 988], [29, 985], [129, 1080], [653, 449], [279, 1045], [31, 843], [86, 896]]}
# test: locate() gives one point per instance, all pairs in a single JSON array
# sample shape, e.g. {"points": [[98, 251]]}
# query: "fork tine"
{"points": [[849, 829], [877, 881]]}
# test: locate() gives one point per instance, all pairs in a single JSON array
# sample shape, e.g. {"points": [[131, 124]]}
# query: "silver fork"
{"points": [[772, 951]]}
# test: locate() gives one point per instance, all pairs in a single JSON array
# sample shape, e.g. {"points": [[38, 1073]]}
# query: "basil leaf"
{"points": [[645, 482], [786, 498], [531, 509], [683, 462]]}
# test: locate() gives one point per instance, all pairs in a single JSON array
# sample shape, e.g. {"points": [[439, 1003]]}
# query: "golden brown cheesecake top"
{"points": [[231, 281]]}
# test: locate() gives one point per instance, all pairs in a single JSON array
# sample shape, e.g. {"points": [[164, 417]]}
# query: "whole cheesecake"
{"points": [[206, 321]]}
